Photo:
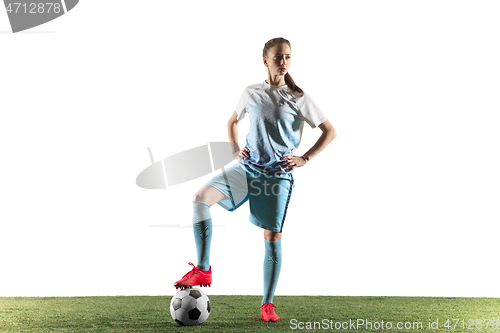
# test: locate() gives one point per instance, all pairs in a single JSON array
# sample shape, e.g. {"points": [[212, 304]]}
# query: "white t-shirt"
{"points": [[277, 117]]}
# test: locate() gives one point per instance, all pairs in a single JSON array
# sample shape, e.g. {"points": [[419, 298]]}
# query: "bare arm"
{"points": [[232, 132], [324, 140], [232, 128]]}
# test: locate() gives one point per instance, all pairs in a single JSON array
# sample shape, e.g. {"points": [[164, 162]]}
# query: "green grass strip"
{"points": [[242, 314]]}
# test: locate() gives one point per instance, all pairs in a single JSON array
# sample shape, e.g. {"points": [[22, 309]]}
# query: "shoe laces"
{"points": [[191, 271], [268, 308]]}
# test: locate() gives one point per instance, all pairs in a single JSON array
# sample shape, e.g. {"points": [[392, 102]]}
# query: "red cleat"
{"points": [[267, 312], [196, 277]]}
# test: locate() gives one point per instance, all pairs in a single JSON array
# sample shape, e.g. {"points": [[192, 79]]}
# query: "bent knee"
{"points": [[198, 196], [202, 195], [208, 195]]}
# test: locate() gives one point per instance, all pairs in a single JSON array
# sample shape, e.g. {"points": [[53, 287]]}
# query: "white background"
{"points": [[403, 202]]}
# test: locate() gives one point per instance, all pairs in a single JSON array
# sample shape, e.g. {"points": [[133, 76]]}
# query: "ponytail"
{"points": [[291, 84], [288, 79]]}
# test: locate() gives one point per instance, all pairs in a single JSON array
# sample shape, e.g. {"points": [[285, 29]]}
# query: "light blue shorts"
{"points": [[269, 194]]}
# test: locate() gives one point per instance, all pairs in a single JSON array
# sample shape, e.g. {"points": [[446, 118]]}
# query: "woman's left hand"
{"points": [[292, 162]]}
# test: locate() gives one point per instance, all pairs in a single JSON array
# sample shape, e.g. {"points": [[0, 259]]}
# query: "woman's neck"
{"points": [[277, 80]]}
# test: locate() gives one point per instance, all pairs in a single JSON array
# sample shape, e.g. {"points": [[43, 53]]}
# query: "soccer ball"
{"points": [[190, 307]]}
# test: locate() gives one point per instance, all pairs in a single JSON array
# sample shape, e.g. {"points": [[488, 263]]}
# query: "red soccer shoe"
{"points": [[196, 277], [267, 312]]}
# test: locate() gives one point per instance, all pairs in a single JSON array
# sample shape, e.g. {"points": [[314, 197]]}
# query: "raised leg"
{"points": [[209, 195], [201, 274], [203, 199]]}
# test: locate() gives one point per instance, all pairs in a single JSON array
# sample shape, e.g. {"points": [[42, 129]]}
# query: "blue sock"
{"points": [[272, 268], [202, 227]]}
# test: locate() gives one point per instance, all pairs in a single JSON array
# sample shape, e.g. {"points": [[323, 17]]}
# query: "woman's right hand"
{"points": [[244, 153], [240, 154]]}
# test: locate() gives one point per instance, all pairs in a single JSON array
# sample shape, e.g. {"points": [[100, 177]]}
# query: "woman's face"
{"points": [[278, 59]]}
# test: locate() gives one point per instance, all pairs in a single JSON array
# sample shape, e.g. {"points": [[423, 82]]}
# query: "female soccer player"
{"points": [[277, 109]]}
